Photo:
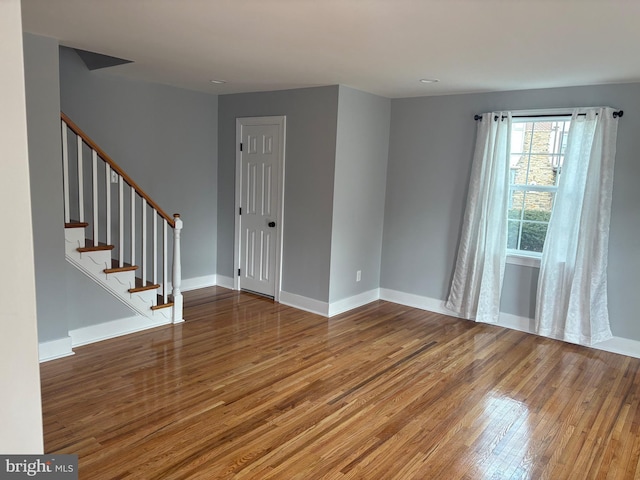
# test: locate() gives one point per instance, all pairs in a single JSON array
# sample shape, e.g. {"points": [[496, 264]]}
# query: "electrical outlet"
{"points": [[358, 275]]}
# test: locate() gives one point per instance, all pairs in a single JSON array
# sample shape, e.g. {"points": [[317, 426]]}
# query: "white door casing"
{"points": [[260, 144]]}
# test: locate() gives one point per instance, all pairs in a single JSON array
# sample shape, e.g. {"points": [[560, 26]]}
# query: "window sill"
{"points": [[523, 260]]}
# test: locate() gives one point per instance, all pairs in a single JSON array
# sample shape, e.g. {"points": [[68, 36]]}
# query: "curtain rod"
{"points": [[617, 114]]}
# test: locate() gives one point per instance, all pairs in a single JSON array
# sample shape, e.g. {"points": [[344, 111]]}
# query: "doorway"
{"points": [[259, 204]]}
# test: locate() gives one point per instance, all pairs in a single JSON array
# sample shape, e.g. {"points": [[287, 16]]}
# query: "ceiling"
{"points": [[380, 46]]}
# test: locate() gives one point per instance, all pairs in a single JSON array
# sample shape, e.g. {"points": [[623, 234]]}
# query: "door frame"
{"points": [[281, 121]]}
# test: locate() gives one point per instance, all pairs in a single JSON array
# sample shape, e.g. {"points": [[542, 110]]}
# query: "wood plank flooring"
{"points": [[249, 389]]}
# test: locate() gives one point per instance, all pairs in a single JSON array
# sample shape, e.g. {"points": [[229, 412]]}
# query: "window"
{"points": [[537, 152]]}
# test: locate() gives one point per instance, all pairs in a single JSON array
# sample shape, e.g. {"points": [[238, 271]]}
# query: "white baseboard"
{"points": [[226, 282], [199, 282], [304, 303], [356, 301], [55, 349], [516, 322], [195, 283], [415, 301], [623, 346], [112, 329]]}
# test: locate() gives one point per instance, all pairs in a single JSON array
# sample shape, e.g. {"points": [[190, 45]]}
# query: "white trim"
{"points": [[516, 322], [238, 202], [356, 301], [623, 346], [195, 283], [112, 329], [223, 281], [281, 121], [523, 260], [304, 303], [280, 229], [415, 301], [620, 345], [54, 349]]}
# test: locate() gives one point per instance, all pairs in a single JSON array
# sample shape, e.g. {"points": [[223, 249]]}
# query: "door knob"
{"points": [[272, 224]]}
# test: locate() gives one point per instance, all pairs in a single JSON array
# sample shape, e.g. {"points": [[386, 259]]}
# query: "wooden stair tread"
{"points": [[141, 288], [90, 247], [163, 305], [115, 267], [76, 224]]}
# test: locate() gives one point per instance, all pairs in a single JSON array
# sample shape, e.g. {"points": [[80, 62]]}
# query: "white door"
{"points": [[259, 188]]}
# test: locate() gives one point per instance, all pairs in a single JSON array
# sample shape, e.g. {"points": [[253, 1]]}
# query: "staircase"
{"points": [[123, 243]]}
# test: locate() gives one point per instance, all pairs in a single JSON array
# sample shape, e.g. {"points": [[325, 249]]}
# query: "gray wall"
{"points": [[308, 193], [362, 147], [90, 304], [45, 172], [165, 138], [431, 146]]}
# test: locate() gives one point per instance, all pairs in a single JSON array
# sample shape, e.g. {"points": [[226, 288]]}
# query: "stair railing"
{"points": [[82, 191]]}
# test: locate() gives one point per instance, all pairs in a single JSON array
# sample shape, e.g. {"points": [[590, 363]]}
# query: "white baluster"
{"points": [[133, 226], [177, 271], [143, 261], [107, 184], [80, 182], [165, 275], [154, 254], [94, 177], [121, 221], [65, 172]]}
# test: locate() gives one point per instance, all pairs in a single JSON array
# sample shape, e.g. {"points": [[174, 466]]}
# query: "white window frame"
{"points": [[522, 257]]}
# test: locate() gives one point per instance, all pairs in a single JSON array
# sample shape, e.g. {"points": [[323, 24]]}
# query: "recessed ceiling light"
{"points": [[429, 80], [217, 82]]}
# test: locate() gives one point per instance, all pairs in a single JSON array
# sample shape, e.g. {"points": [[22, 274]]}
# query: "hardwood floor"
{"points": [[249, 389]]}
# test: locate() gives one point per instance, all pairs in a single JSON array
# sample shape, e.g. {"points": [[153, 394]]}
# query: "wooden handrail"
{"points": [[101, 153]]}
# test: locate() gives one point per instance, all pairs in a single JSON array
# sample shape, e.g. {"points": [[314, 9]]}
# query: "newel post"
{"points": [[177, 271]]}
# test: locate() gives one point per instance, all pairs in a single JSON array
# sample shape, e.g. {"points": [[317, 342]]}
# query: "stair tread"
{"points": [[139, 287], [163, 305], [115, 267], [90, 247], [75, 224]]}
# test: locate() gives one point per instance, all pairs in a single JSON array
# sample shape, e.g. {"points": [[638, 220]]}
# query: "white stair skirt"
{"points": [[118, 284]]}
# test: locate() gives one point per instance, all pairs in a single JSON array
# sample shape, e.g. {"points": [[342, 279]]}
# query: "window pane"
{"points": [[536, 151], [537, 206], [519, 171], [541, 170], [515, 213], [533, 235], [512, 238], [516, 201], [542, 138], [517, 143]]}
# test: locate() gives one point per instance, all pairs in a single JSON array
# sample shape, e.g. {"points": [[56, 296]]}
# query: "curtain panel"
{"points": [[477, 280], [571, 301]]}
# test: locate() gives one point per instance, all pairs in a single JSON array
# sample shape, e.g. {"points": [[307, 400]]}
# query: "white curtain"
{"points": [[477, 280], [571, 303]]}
